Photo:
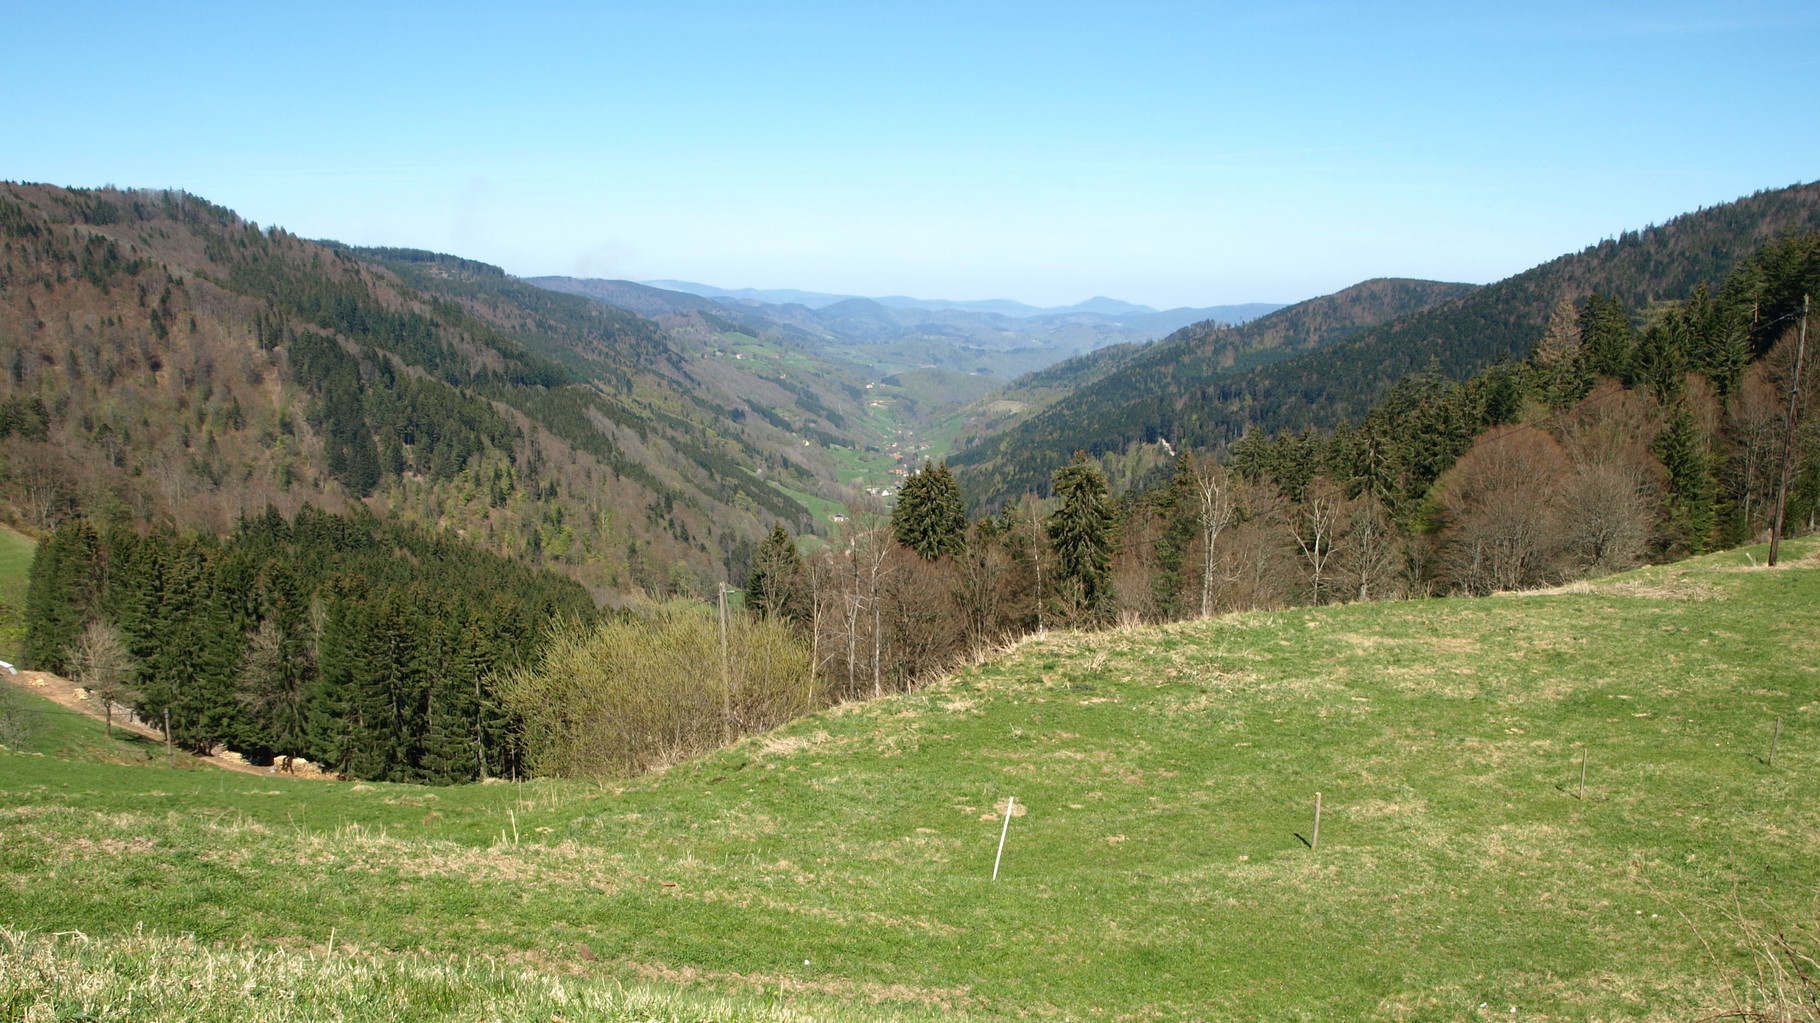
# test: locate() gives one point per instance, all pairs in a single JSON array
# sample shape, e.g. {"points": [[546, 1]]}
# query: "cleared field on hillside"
{"points": [[1157, 867], [16, 550]]}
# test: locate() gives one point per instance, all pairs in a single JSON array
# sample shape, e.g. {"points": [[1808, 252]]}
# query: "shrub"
{"points": [[648, 689]]}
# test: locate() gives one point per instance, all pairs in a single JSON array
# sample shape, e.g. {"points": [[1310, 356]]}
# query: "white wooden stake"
{"points": [[1314, 841], [1010, 804]]}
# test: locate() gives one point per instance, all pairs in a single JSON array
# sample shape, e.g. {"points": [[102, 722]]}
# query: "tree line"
{"points": [[369, 647], [1627, 435]]}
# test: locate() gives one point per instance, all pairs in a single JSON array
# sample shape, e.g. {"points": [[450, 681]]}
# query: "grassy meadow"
{"points": [[16, 550], [1158, 863]]}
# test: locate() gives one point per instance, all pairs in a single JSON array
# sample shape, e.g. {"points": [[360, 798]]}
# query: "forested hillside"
{"points": [[370, 648], [1137, 393], [166, 361], [1182, 393]]}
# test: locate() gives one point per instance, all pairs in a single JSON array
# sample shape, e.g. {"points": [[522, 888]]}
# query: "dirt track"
{"points": [[65, 693]]}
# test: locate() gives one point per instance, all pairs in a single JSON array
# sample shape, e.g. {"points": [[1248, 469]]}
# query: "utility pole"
{"points": [[1788, 436]]}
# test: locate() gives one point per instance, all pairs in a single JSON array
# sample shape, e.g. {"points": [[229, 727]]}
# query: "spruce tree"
{"points": [[1178, 508], [1607, 336], [773, 584], [1718, 339], [62, 594], [1080, 533], [452, 739], [364, 645], [341, 621], [1248, 454], [930, 517], [1659, 361], [1690, 482]]}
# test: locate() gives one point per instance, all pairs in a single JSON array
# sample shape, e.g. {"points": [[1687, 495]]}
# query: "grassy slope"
{"points": [[16, 550], [57, 731], [1158, 871]]}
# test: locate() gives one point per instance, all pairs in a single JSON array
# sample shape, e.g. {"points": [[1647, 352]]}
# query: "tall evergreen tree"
{"points": [[1081, 533], [61, 596], [363, 645], [339, 623], [930, 517], [1691, 489], [454, 738], [774, 583], [1607, 336], [1718, 339], [1659, 362]]}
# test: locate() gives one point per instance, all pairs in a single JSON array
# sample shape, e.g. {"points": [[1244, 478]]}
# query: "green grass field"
{"points": [[16, 550], [1158, 865], [57, 731]]}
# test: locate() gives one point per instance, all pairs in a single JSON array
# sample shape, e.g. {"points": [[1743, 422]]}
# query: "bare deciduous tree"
{"points": [[1606, 515], [271, 686], [983, 577], [1315, 525], [1372, 548], [101, 664], [1754, 421], [44, 476], [1218, 506], [1501, 503]]}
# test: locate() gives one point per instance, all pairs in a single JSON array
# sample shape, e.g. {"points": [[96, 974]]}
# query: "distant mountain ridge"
{"points": [[892, 335], [1099, 304]]}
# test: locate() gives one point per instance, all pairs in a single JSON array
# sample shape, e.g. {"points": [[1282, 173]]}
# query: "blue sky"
{"points": [[1163, 153]]}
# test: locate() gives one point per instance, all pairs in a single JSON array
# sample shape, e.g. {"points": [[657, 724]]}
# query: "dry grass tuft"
{"points": [[152, 978]]}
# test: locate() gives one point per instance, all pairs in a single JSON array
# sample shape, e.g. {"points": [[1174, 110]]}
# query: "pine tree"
{"points": [[1607, 336], [62, 594], [453, 742], [1691, 488], [774, 584], [1718, 339], [1080, 533], [930, 517], [1659, 361]]}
